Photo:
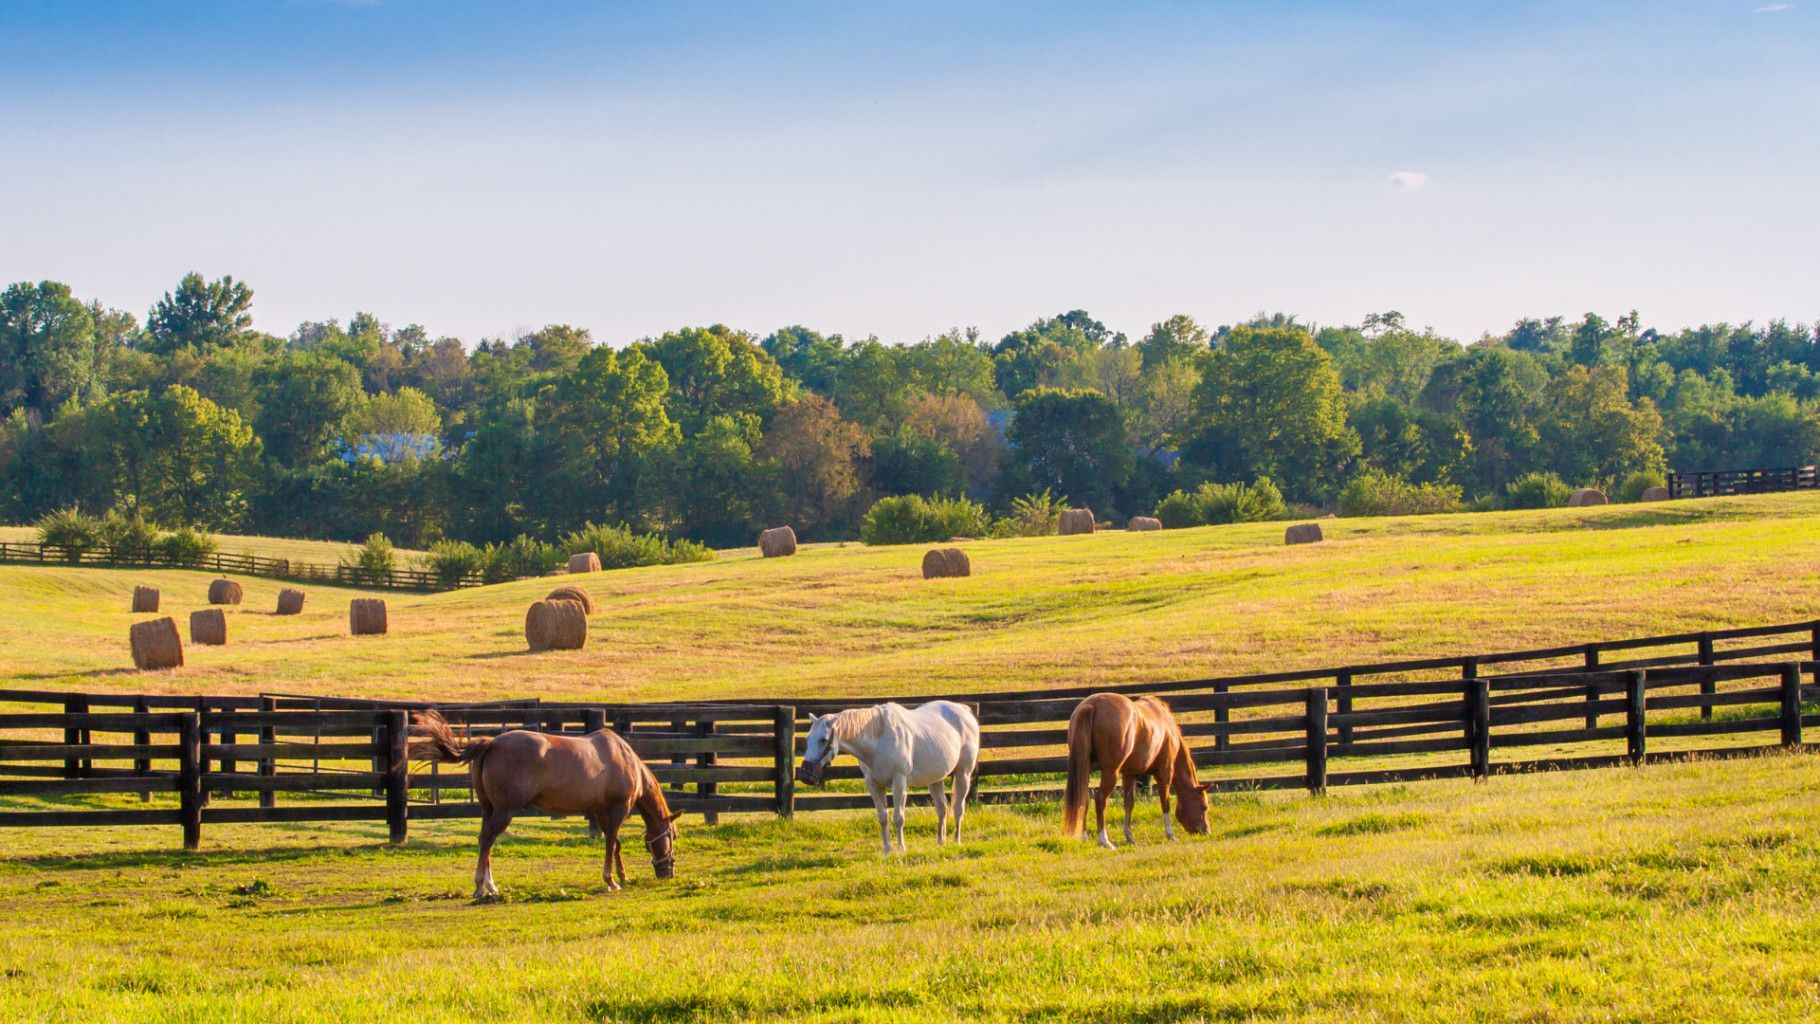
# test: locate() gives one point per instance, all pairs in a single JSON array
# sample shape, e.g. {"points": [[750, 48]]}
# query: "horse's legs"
{"points": [[878, 800], [1109, 777], [963, 788], [490, 829], [940, 800], [610, 821], [1130, 802], [900, 795], [1165, 780]]}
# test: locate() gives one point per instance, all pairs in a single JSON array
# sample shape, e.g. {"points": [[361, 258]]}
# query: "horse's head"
{"points": [[821, 748], [660, 839], [1191, 807]]}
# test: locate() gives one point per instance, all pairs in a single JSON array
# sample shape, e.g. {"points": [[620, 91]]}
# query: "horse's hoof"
{"points": [[1106, 844]]}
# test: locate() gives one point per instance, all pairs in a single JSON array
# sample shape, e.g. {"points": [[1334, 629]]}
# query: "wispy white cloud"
{"points": [[1407, 179], [1772, 8]]}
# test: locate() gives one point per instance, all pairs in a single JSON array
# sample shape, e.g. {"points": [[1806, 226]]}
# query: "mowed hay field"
{"points": [[1674, 892], [851, 620]]}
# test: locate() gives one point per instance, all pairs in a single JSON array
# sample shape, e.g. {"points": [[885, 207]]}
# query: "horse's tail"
{"points": [[1080, 769], [436, 742]]}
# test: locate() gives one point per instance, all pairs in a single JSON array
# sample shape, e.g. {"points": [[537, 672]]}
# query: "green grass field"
{"points": [[1675, 892], [316, 552]]}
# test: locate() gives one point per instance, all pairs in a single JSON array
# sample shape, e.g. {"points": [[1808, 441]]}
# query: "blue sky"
{"points": [[485, 168]]}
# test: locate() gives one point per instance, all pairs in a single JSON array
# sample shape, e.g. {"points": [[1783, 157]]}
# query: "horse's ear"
{"points": [[1204, 786], [674, 815]]}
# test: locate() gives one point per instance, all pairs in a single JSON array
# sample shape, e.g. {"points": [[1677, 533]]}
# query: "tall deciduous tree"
{"points": [[1270, 405], [715, 371], [1072, 442], [200, 315], [47, 349], [818, 456]]}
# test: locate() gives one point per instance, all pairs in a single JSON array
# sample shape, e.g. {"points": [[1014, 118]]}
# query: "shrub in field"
{"points": [[914, 519], [451, 560], [185, 546], [71, 529], [1377, 493], [132, 538], [1537, 490], [1033, 515], [620, 548], [375, 560], [1212, 504], [1636, 483], [522, 556]]}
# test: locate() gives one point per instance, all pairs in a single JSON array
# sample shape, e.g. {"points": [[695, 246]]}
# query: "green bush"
{"points": [[132, 538], [1377, 493], [452, 560], [71, 529], [1213, 504], [1537, 490], [1642, 480], [522, 556], [620, 548], [375, 560], [1033, 515], [186, 546], [914, 519]]}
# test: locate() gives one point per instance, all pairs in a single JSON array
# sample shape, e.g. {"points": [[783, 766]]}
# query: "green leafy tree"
{"points": [[1070, 441], [200, 315], [47, 349], [1270, 404], [714, 371], [1589, 431], [304, 399], [818, 456], [608, 425]]}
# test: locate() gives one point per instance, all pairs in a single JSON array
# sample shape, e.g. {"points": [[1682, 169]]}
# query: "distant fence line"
{"points": [[345, 759], [103, 556], [1742, 481]]}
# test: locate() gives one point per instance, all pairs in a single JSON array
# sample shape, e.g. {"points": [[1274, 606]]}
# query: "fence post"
{"points": [[74, 768], [1633, 716], [1478, 726], [1222, 715], [142, 736], [189, 778], [783, 732], [1343, 700], [1317, 740], [397, 775], [1709, 684], [706, 789], [1791, 705], [1592, 690], [268, 765]]}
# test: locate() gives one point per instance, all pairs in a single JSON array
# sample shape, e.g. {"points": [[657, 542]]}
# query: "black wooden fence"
{"points": [[1742, 481], [224, 759], [249, 565]]}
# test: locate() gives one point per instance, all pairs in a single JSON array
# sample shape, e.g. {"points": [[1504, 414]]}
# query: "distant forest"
{"points": [[344, 429]]}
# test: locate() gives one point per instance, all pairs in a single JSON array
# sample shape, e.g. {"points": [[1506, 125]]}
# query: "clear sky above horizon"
{"points": [[901, 168]]}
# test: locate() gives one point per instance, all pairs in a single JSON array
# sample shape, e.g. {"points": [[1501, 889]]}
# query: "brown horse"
{"points": [[596, 775], [1129, 738]]}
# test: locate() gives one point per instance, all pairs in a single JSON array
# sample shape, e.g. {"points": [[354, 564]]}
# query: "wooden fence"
{"points": [[235, 759], [1742, 481], [247, 565]]}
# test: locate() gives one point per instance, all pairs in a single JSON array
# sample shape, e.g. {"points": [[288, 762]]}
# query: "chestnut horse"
{"points": [[596, 775], [1130, 738]]}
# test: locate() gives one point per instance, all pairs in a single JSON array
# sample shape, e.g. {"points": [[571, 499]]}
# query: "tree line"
{"points": [[345, 429]]}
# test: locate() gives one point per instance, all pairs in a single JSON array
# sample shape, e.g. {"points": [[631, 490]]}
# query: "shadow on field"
{"points": [[85, 674]]}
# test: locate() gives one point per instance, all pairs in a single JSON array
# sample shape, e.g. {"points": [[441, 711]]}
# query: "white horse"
{"points": [[898, 748]]}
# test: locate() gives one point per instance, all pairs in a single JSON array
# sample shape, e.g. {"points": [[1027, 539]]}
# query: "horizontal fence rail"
{"points": [[103, 556], [1742, 481]]}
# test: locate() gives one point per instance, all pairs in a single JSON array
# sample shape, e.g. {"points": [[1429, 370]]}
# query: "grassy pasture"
{"points": [[1675, 892], [1051, 611], [316, 552]]}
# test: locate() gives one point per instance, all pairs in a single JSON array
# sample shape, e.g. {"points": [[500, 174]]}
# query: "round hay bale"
{"points": [[1586, 496], [777, 542], [576, 594], [939, 563], [224, 592], [290, 601], [1143, 524], [587, 561], [1649, 494], [145, 599], [208, 626], [1077, 520], [556, 626], [366, 616], [1302, 533], [156, 644]]}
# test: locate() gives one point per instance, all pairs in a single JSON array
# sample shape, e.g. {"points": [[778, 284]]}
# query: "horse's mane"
{"points": [[858, 723], [653, 790]]}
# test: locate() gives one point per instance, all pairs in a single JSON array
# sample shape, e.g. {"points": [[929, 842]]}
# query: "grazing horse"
{"points": [[1130, 738], [596, 775], [898, 748]]}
